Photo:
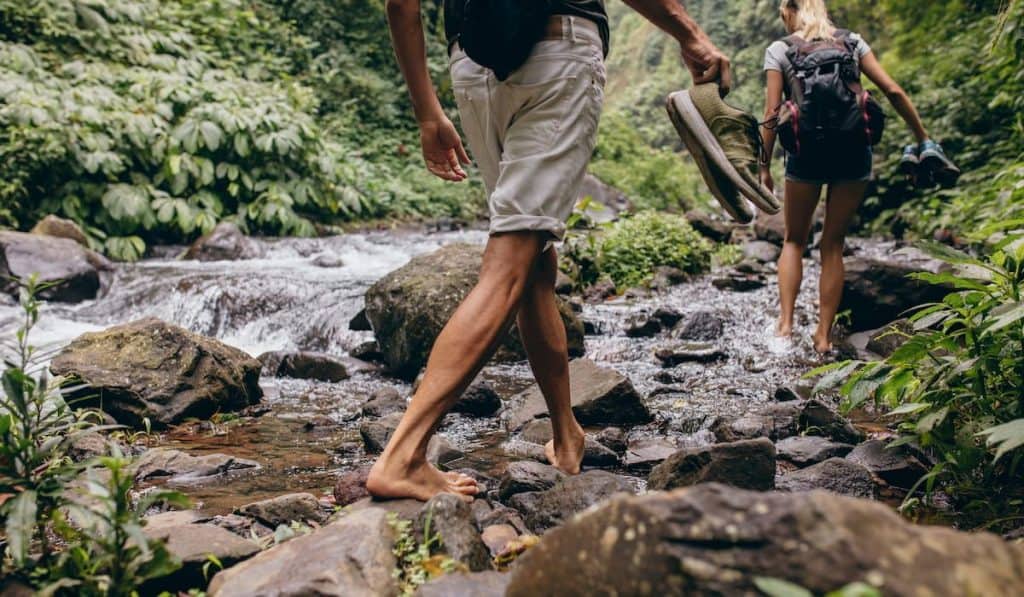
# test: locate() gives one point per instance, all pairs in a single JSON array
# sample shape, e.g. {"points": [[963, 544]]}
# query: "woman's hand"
{"points": [[766, 177], [442, 149]]}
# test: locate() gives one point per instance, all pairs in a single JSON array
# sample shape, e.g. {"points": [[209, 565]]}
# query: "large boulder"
{"points": [[226, 242], [459, 584], [451, 520], [351, 557], [805, 450], [876, 290], [149, 369], [284, 509], [749, 464], [543, 510], [61, 262], [408, 308], [600, 396], [896, 466], [837, 475], [526, 475], [716, 540], [58, 227], [305, 365], [608, 201], [175, 465]]}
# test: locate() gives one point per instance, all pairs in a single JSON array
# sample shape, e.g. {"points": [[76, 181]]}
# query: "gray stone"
{"points": [[770, 227], [543, 510], [805, 450], [713, 540], [497, 537], [837, 475], [178, 466], [689, 352], [225, 243], [460, 584], [643, 326], [384, 401], [61, 263], [761, 251], [153, 370], [58, 227], [451, 519], [600, 396], [351, 557], [896, 466], [527, 475], [747, 464], [717, 230], [877, 290], [192, 545], [408, 308], [359, 323], [702, 326], [818, 419], [305, 365], [479, 400], [351, 486], [642, 455], [284, 509], [739, 282], [612, 438]]}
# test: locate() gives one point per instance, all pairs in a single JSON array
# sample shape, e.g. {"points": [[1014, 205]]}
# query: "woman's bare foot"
{"points": [[783, 330], [822, 342], [567, 456], [420, 481]]}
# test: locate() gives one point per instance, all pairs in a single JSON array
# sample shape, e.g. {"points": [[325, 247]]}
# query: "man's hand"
{"points": [[442, 149], [707, 64]]}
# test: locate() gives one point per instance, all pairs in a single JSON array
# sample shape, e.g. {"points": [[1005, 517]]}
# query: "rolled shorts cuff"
{"points": [[526, 223], [825, 182]]}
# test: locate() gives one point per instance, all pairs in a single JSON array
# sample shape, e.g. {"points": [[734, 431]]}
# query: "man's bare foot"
{"points": [[419, 481], [567, 456]]}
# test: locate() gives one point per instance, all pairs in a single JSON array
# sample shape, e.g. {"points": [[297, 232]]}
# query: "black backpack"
{"points": [[827, 104], [500, 34]]}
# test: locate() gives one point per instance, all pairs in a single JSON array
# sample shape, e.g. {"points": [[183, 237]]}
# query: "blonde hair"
{"points": [[810, 18]]}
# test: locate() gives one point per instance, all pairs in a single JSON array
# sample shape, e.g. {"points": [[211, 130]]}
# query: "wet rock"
{"points": [[153, 370], [597, 455], [451, 519], [643, 326], [226, 242], [783, 419], [716, 540], [284, 509], [689, 352], [368, 352], [600, 396], [479, 400], [703, 326], [837, 475], [600, 291], [790, 393], [761, 251], [404, 509], [384, 401], [543, 510], [886, 340], [192, 545], [667, 316], [58, 227], [877, 290], [328, 261], [497, 537], [747, 464], [539, 432], [564, 285], [88, 445], [376, 434], [58, 261], [171, 518], [460, 584], [818, 419], [304, 365], [408, 308], [351, 487], [351, 557], [441, 451], [179, 466], [591, 328], [805, 450], [738, 282], [527, 475], [714, 229], [896, 466], [666, 277], [241, 525], [360, 323], [607, 201], [612, 438], [643, 455]]}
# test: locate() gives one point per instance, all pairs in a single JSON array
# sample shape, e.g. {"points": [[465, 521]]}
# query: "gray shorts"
{"points": [[532, 135]]}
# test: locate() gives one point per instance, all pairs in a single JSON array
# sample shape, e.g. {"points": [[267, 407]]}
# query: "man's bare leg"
{"points": [[540, 326], [460, 351]]}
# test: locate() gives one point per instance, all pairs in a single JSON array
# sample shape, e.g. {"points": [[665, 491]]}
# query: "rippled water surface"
{"points": [[286, 301]]}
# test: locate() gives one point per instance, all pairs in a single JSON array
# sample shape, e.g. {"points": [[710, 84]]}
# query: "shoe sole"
{"points": [[940, 170], [737, 208], [689, 116]]}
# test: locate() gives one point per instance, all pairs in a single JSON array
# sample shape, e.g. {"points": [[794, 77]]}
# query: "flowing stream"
{"points": [[303, 293]]}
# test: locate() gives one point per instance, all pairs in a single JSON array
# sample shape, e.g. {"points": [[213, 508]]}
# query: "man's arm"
{"points": [[704, 60], [442, 147]]}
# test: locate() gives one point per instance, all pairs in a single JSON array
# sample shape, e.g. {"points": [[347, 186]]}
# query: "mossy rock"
{"points": [[408, 308]]}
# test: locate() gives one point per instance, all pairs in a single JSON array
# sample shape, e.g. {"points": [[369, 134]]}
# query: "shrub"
{"points": [[632, 248], [956, 386]]}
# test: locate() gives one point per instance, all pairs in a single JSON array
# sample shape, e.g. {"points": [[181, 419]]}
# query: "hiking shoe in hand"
{"points": [[909, 162], [937, 165], [727, 137]]}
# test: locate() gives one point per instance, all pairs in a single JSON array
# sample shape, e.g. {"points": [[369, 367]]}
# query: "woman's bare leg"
{"points": [[798, 208], [842, 204]]}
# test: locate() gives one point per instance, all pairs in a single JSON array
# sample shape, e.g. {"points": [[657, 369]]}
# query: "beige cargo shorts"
{"points": [[532, 135]]}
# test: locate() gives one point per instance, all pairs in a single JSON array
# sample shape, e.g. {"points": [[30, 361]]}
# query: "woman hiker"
{"points": [[842, 162]]}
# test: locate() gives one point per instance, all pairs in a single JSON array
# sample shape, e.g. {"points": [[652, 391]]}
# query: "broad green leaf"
{"points": [[21, 524], [910, 408], [932, 420], [1005, 437], [946, 253], [1009, 316], [776, 587]]}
